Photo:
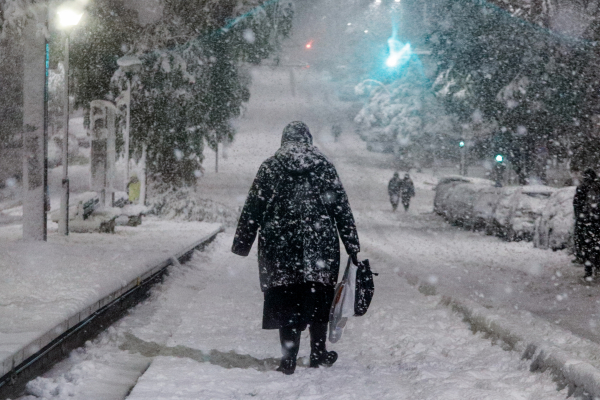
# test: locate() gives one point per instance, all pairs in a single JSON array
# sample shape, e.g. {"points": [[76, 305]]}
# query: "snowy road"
{"points": [[200, 333]]}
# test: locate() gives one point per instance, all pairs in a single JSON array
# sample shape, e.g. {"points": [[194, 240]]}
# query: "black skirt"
{"points": [[297, 305]]}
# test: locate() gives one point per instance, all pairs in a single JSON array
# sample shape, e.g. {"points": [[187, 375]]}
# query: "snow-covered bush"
{"points": [[183, 204]]}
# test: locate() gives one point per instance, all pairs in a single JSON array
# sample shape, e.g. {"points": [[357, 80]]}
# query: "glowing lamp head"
{"points": [[69, 18], [499, 158], [461, 143], [398, 55], [308, 45]]}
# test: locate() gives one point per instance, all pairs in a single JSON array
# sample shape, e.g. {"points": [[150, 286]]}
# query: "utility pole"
{"points": [[35, 125], [63, 223], [463, 157], [217, 158], [68, 19]]}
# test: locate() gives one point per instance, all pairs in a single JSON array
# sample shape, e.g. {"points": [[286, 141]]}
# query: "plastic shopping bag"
{"points": [[343, 303]]}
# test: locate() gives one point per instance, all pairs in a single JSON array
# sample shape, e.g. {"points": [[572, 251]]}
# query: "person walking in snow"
{"points": [[394, 190], [586, 207], [297, 205], [407, 191]]}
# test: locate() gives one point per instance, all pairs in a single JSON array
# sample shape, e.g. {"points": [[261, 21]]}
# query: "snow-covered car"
{"points": [[555, 226], [455, 197], [443, 190], [484, 208], [503, 210], [461, 202], [529, 203]]}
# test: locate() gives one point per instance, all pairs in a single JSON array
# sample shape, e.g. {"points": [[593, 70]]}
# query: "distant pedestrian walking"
{"points": [[586, 206], [394, 190], [401, 189], [336, 130], [407, 191], [297, 205]]}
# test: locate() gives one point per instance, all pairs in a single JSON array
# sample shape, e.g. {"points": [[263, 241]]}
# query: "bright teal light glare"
{"points": [[398, 55], [499, 158], [461, 144]]}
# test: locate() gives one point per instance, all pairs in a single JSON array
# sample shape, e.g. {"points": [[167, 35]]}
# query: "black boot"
{"points": [[318, 353], [290, 343]]}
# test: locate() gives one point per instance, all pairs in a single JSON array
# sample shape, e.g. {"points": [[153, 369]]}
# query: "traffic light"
{"points": [[461, 143], [499, 158]]}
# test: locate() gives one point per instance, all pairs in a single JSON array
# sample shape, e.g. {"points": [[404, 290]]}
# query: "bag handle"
{"points": [[362, 265]]}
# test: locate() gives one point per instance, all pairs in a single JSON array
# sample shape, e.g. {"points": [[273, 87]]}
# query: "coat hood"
{"points": [[299, 158], [297, 132]]}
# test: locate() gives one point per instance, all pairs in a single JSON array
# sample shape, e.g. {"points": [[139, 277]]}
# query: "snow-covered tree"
{"points": [[405, 117], [528, 80], [188, 91]]}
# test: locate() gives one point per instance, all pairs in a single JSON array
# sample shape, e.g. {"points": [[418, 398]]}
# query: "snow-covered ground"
{"points": [[44, 284], [201, 333]]}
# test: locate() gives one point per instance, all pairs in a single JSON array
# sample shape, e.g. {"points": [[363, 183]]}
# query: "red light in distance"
{"points": [[309, 45]]}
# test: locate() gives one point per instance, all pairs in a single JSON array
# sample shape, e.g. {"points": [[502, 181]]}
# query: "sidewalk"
{"points": [[47, 288]]}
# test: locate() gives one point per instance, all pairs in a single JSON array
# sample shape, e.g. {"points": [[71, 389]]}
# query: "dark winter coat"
{"points": [[297, 204], [407, 190], [586, 207], [394, 187]]}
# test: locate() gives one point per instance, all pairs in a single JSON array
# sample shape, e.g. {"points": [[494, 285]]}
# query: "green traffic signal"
{"points": [[499, 158]]}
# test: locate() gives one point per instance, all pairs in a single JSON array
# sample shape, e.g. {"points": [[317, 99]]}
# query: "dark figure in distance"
{"points": [[401, 189], [407, 190], [336, 130], [297, 205], [587, 221], [394, 190]]}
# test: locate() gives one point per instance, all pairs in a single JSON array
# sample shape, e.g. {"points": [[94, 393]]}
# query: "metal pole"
{"points": [[463, 166], [217, 158], [126, 135], [143, 175], [63, 225]]}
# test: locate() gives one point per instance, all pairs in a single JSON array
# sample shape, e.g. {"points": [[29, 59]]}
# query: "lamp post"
{"points": [[463, 157], [128, 64], [67, 20]]}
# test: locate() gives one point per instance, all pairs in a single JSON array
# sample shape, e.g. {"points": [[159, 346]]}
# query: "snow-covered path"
{"points": [[407, 347], [201, 330]]}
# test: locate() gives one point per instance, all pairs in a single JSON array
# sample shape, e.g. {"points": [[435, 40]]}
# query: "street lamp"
{"points": [[67, 20], [128, 64]]}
